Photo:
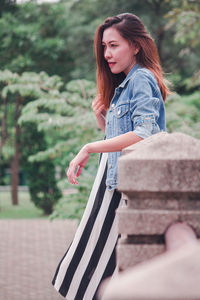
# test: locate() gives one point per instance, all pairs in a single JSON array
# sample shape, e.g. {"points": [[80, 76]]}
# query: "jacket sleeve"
{"points": [[145, 104]]}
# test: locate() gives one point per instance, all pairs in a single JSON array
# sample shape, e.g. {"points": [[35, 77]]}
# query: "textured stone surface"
{"points": [[158, 200], [166, 146], [173, 275], [128, 255], [145, 142], [159, 178], [30, 251], [158, 175], [162, 163], [154, 221], [143, 221]]}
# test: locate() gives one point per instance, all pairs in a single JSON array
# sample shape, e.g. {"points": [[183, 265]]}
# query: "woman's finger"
{"points": [[99, 109], [71, 173], [96, 102], [96, 106], [79, 171], [76, 165]]}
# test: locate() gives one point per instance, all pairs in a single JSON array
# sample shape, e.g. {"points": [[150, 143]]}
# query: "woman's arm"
{"points": [[114, 144], [110, 145]]}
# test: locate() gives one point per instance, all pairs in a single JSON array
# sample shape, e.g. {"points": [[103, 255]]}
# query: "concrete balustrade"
{"points": [[159, 178]]}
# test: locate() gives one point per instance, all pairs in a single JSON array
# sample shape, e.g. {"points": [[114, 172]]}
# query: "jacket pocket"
{"points": [[122, 118], [120, 110]]}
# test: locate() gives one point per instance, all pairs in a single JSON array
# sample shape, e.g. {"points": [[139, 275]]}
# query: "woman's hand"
{"points": [[99, 111], [78, 163], [114, 144]]}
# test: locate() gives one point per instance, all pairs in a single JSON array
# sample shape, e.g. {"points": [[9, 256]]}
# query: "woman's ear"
{"points": [[136, 48]]}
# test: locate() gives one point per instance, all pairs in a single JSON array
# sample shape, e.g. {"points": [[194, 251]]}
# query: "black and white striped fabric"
{"points": [[91, 256]]}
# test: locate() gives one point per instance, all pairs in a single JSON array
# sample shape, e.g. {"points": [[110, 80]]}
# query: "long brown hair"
{"points": [[132, 29]]}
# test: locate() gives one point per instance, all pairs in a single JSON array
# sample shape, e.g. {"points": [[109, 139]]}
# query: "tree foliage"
{"points": [[34, 39], [185, 19], [183, 114], [64, 116], [19, 90], [61, 40], [66, 119]]}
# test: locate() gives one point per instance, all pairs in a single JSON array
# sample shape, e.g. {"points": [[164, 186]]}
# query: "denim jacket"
{"points": [[138, 106]]}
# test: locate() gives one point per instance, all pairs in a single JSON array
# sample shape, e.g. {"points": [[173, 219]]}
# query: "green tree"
{"points": [[185, 19], [40, 175], [67, 120], [18, 91], [34, 38], [7, 5], [58, 38], [183, 115]]}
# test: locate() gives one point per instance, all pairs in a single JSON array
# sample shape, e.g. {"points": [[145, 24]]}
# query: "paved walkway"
{"points": [[29, 253]]}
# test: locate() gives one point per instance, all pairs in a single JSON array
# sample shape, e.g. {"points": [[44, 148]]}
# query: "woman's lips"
{"points": [[111, 64]]}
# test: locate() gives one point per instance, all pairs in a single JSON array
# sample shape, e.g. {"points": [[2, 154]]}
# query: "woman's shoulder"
{"points": [[143, 75], [143, 80]]}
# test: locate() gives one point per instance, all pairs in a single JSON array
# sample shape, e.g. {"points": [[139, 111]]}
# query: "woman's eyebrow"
{"points": [[112, 41]]}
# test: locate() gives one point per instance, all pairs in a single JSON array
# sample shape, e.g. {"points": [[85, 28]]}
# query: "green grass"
{"points": [[24, 210]]}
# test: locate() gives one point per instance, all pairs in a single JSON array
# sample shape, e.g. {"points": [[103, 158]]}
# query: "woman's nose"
{"points": [[107, 53]]}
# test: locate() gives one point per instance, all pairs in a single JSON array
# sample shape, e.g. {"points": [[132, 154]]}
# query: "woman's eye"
{"points": [[113, 45]]}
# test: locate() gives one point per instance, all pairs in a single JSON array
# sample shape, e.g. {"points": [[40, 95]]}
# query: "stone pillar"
{"points": [[160, 180]]}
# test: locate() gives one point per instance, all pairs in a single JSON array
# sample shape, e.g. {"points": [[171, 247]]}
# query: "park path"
{"points": [[29, 253]]}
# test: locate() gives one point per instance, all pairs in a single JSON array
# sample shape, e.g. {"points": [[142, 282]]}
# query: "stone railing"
{"points": [[160, 181]]}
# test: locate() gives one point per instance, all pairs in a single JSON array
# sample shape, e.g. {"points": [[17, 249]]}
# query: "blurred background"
{"points": [[47, 83]]}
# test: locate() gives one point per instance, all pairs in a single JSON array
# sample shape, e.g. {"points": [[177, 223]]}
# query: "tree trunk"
{"points": [[15, 163], [3, 126], [160, 32], [160, 39]]}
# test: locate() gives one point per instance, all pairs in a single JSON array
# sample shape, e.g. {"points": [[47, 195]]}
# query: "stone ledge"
{"points": [[158, 175], [143, 221], [165, 200], [130, 255], [165, 145], [161, 163]]}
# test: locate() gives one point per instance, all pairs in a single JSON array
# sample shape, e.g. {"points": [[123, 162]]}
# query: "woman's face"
{"points": [[119, 54]]}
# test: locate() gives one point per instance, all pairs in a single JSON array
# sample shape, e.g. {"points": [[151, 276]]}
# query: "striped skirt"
{"points": [[91, 256]]}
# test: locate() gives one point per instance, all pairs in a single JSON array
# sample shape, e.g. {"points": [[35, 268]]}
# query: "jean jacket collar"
{"points": [[134, 68]]}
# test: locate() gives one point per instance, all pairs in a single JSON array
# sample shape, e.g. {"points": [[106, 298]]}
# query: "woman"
{"points": [[129, 107]]}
